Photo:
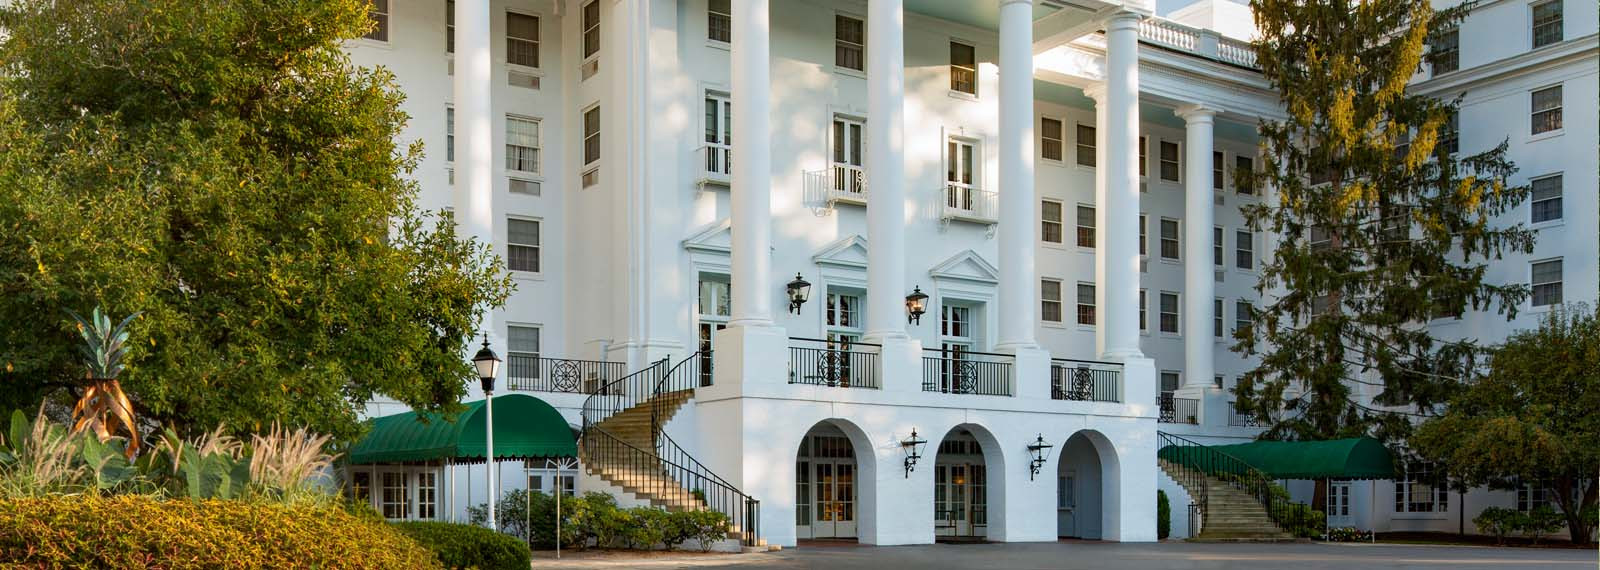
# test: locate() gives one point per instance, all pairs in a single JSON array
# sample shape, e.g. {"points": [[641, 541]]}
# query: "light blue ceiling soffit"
{"points": [[977, 13]]}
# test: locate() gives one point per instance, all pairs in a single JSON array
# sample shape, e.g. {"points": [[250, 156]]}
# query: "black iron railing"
{"points": [[544, 374], [1237, 418], [1194, 462], [1176, 410], [836, 363], [1085, 380], [966, 372], [743, 512], [613, 397]]}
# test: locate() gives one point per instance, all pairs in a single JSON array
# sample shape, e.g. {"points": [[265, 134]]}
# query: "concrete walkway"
{"points": [[1097, 555]]}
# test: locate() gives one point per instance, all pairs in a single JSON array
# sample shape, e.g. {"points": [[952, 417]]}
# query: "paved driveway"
{"points": [[1097, 555]]}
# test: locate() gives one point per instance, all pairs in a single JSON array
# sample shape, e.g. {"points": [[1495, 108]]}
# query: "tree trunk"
{"points": [[1577, 527]]}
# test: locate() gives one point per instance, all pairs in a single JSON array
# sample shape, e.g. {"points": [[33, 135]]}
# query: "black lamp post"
{"points": [[487, 364], [799, 290], [912, 447], [916, 305], [1040, 452]]}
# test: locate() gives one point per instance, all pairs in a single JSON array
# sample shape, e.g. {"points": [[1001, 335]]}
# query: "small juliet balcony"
{"points": [[837, 184], [543, 374], [1175, 410], [966, 372], [714, 162], [968, 203], [833, 363], [1085, 380]]}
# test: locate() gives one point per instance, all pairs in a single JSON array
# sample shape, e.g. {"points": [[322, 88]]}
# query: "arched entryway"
{"points": [[1086, 476], [831, 483], [966, 471]]}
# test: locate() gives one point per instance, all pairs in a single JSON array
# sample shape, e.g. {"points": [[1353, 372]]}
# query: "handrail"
{"points": [[1105, 362], [836, 363], [621, 394], [546, 374], [966, 352], [835, 341], [1196, 462], [691, 486]]}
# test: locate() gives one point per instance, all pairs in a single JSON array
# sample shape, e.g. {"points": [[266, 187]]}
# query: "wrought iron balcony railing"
{"points": [[1178, 410], [1237, 418], [833, 363], [1085, 380], [966, 372], [543, 374]]}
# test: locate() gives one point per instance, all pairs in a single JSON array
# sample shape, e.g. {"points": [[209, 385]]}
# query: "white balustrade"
{"points": [[839, 183]]}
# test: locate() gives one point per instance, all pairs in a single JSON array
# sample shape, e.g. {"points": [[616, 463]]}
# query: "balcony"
{"points": [[1240, 419], [1085, 380], [833, 363], [1205, 43], [541, 374], [715, 165], [967, 203], [966, 372], [1178, 410], [838, 184]]}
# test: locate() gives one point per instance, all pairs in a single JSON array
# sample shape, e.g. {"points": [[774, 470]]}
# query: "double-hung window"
{"points": [[1450, 133], [1546, 283], [1050, 300], [1169, 161], [1144, 158], [450, 26], [1143, 311], [1419, 491], [1169, 312], [1446, 51], [1169, 238], [1086, 304], [1085, 226], [1085, 144], [850, 43], [1217, 176], [522, 353], [1546, 23], [1243, 314], [522, 245], [719, 20], [1244, 249], [522, 144], [591, 135], [1050, 143], [591, 29], [963, 68], [1547, 109], [1050, 221], [522, 39], [1245, 183], [843, 316], [450, 134], [1216, 246], [1216, 318], [1546, 199], [1144, 248], [378, 12]]}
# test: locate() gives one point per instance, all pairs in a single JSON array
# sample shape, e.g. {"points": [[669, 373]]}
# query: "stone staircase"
{"points": [[647, 480], [1230, 514]]}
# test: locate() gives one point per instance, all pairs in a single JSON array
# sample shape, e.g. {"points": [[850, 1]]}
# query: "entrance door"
{"points": [[835, 495], [1066, 503], [959, 500], [1339, 504], [958, 175]]}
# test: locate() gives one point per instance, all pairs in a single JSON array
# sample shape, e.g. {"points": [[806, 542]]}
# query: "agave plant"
{"points": [[103, 407]]}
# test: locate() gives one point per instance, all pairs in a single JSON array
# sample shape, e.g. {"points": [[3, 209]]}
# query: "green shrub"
{"points": [[706, 527], [649, 527], [131, 531], [1498, 522], [469, 546], [1541, 522], [1163, 515]]}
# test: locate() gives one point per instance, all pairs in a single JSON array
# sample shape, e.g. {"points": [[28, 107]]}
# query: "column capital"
{"points": [[1197, 112], [1123, 19], [1004, 3], [1096, 92]]}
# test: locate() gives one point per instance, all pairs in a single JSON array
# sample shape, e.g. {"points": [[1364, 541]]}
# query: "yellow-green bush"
{"points": [[127, 532]]}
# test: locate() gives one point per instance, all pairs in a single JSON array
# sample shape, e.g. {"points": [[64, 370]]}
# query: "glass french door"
{"points": [[847, 156], [719, 134], [1339, 504], [958, 174], [825, 499], [960, 502], [1067, 503]]}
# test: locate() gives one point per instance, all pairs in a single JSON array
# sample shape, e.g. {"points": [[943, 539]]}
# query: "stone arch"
{"points": [[992, 482], [863, 479], [1094, 494]]}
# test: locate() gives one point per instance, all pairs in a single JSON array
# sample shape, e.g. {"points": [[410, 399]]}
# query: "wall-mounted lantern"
{"points": [[912, 447], [799, 290], [1040, 452], [916, 305]]}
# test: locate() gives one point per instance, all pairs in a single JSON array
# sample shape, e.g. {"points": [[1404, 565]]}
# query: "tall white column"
{"points": [[752, 170], [474, 161], [1121, 247], [1098, 94], [1017, 209], [1198, 287], [886, 163]]}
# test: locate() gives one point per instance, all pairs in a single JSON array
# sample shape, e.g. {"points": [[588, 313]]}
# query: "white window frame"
{"points": [[1533, 26], [1092, 313], [538, 24], [591, 140], [843, 320], [1144, 158], [1407, 486], [537, 246], [1454, 32], [591, 30], [1219, 173], [1246, 246], [1176, 238], [383, 16], [1080, 145], [951, 67], [1144, 235], [1176, 312], [1534, 113], [1219, 329], [712, 16], [1059, 223], [1242, 317], [450, 27], [1176, 162], [1144, 311], [1250, 190], [1534, 200], [1559, 284], [1078, 234], [840, 43], [1219, 247], [449, 134], [1045, 301], [537, 159], [1060, 139]]}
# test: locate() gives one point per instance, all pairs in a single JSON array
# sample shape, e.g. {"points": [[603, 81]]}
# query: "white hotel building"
{"points": [[1055, 176]]}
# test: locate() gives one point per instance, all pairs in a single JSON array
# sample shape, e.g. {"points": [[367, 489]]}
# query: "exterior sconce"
{"points": [[487, 364], [799, 290], [1040, 452], [916, 305], [912, 447]]}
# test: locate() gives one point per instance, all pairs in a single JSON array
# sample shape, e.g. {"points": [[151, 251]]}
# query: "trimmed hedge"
{"points": [[469, 546], [132, 531]]}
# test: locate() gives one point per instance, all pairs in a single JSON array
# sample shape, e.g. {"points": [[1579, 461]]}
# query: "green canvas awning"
{"points": [[525, 427], [1354, 458]]}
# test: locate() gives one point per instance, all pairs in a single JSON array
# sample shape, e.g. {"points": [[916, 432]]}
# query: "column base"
{"points": [[1030, 373], [750, 355], [900, 364]]}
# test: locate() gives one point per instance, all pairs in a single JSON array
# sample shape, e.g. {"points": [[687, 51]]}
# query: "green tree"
{"points": [[1531, 417], [223, 168], [1378, 224]]}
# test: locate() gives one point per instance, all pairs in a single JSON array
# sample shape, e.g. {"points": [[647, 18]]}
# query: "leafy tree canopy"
{"points": [[1531, 417], [1377, 223], [222, 167]]}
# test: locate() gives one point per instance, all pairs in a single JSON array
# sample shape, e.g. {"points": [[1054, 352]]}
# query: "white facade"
{"points": [[881, 171]]}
